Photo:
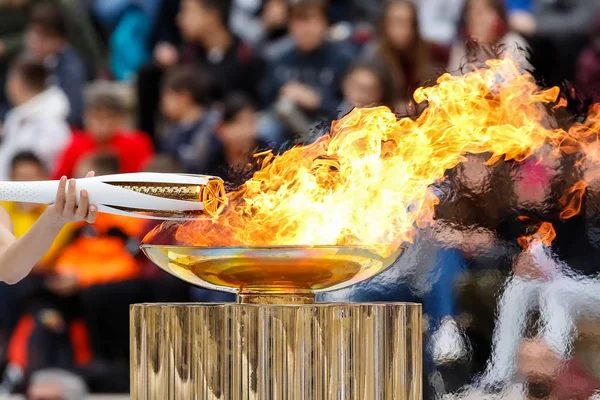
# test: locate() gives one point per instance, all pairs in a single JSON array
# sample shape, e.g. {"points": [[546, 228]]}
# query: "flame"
{"points": [[573, 199], [544, 235], [368, 182]]}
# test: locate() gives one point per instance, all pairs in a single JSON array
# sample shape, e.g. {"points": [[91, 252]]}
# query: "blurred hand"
{"points": [[165, 54], [63, 285], [275, 15], [523, 22], [302, 95], [65, 209]]}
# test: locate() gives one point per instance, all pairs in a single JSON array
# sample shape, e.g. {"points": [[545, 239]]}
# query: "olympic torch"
{"points": [[142, 195]]}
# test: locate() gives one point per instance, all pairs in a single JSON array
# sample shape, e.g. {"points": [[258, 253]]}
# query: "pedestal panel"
{"points": [[276, 352]]}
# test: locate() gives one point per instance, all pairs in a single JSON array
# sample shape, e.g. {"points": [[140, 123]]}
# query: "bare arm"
{"points": [[19, 256]]}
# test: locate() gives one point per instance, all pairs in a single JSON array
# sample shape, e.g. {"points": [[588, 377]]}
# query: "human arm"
{"points": [[19, 256]]}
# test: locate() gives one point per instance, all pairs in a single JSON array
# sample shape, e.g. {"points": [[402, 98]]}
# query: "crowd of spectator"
{"points": [[198, 86]]}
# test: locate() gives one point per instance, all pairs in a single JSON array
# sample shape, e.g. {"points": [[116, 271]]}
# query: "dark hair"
{"points": [[300, 8], [49, 18], [497, 5], [34, 74], [192, 80], [234, 104], [222, 7], [418, 52], [104, 163], [105, 99], [26, 157], [384, 76]]}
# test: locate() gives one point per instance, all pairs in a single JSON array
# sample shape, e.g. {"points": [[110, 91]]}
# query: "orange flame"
{"points": [[545, 235], [368, 181], [572, 200]]}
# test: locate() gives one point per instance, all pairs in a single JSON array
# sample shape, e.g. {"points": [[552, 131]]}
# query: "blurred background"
{"points": [[197, 86]]}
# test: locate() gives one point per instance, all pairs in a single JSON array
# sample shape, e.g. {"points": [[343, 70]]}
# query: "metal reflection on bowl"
{"points": [[288, 271]]}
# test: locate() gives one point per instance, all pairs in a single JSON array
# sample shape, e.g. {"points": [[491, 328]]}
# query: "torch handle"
{"points": [[29, 192]]}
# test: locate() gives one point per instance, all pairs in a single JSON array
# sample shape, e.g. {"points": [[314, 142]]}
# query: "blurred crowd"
{"points": [[198, 86]]}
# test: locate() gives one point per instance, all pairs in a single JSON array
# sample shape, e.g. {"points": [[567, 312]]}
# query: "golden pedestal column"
{"points": [[275, 343], [268, 352]]}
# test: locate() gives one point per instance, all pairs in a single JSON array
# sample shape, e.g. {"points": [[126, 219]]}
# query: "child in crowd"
{"points": [[105, 122], [46, 41], [308, 75], [236, 140], [209, 44], [367, 84], [186, 103], [38, 121]]}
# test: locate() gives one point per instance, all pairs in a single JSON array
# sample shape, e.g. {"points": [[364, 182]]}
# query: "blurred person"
{"points": [[558, 31], [187, 104], [56, 384], [25, 167], [588, 65], [14, 15], [368, 84], [128, 24], [306, 78], [105, 128], [18, 256], [554, 18], [486, 23], [96, 278], [209, 44], [401, 48], [38, 120], [259, 22], [46, 41], [237, 140]]}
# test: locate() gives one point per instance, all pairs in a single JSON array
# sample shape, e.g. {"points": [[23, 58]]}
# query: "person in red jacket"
{"points": [[105, 121]]}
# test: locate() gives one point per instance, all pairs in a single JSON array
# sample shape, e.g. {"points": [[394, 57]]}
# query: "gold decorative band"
{"points": [[212, 195]]}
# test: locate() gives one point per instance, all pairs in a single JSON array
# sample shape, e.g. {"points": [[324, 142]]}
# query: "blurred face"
{"points": [[482, 21], [102, 124], [46, 391], [240, 134], [41, 44], [26, 171], [309, 30], [362, 88], [174, 105], [399, 26], [16, 91], [194, 21]]}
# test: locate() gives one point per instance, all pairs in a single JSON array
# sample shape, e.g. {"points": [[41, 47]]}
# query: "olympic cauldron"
{"points": [[275, 341]]}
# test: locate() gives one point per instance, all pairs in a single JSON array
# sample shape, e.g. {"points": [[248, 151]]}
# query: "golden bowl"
{"points": [[282, 274]]}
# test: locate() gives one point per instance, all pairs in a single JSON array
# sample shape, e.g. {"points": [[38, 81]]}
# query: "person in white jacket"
{"points": [[38, 122]]}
